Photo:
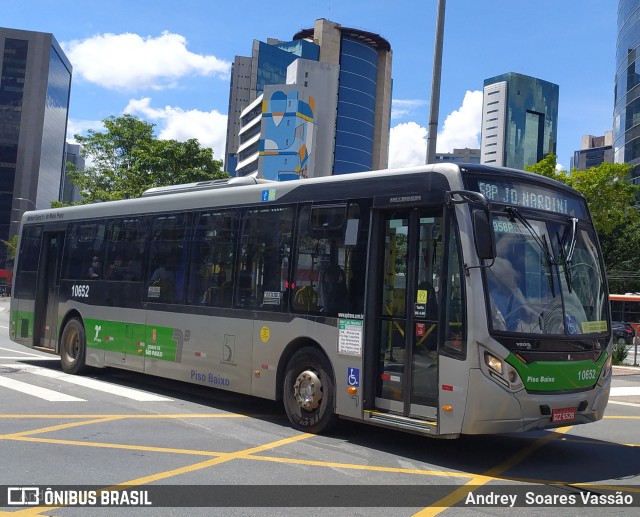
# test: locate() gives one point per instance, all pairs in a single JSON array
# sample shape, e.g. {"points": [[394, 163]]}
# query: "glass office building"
{"points": [[34, 104], [356, 106], [626, 112], [519, 120]]}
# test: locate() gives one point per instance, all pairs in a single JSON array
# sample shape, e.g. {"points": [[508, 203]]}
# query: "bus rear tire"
{"points": [[309, 391], [73, 347]]}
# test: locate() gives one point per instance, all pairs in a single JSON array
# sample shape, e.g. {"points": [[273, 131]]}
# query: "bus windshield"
{"points": [[546, 278]]}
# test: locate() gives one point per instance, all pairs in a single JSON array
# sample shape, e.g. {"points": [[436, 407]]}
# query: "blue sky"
{"points": [[168, 62]]}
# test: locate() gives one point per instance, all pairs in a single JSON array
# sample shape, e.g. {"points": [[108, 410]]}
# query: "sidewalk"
{"points": [[626, 370]]}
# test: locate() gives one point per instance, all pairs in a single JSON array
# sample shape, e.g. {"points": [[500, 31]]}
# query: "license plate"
{"points": [[566, 414]]}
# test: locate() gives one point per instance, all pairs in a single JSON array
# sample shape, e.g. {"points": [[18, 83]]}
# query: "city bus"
{"points": [[380, 297], [626, 307]]}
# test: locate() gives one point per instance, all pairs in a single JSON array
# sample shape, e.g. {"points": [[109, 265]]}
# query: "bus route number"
{"points": [[587, 375], [80, 291]]}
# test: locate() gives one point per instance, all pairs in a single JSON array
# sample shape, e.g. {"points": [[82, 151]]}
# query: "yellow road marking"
{"points": [[118, 446], [223, 458], [355, 466], [460, 493], [56, 427]]}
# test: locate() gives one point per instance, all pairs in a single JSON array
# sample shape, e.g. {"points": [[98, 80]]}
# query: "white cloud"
{"points": [[130, 62], [78, 127], [209, 128], [403, 107], [461, 129], [407, 145]]}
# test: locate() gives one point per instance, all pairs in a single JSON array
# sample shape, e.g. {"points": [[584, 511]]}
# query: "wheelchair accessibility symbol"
{"points": [[353, 377]]}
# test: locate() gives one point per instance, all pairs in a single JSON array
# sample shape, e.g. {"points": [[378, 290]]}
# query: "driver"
{"points": [[508, 305]]}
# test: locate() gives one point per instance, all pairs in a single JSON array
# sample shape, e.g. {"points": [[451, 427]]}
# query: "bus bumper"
{"points": [[492, 409]]}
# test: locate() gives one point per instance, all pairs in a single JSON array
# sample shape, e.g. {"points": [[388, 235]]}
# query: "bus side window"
{"points": [[25, 279], [84, 252], [168, 259], [330, 255], [212, 259], [263, 260], [125, 250]]}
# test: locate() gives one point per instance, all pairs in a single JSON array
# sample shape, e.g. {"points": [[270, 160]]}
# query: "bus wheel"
{"points": [[309, 393], [73, 347]]}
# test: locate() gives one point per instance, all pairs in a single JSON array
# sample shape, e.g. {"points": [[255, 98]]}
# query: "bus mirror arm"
{"points": [[475, 199], [483, 237]]}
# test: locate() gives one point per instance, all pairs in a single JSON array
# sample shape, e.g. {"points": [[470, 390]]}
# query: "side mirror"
{"points": [[483, 235]]}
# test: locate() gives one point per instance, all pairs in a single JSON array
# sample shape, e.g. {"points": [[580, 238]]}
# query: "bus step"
{"points": [[410, 424]]}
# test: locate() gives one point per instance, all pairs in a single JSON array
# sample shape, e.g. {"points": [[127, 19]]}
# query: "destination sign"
{"points": [[521, 193]]}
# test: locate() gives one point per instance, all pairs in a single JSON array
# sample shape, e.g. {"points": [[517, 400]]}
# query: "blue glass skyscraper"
{"points": [[519, 120], [626, 111]]}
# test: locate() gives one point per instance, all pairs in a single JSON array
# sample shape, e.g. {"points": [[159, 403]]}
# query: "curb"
{"points": [[626, 370]]}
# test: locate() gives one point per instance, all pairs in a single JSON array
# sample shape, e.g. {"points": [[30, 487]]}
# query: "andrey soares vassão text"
{"points": [[537, 499]]}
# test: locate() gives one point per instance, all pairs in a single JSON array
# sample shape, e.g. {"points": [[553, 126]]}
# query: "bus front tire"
{"points": [[73, 347], [309, 391]]}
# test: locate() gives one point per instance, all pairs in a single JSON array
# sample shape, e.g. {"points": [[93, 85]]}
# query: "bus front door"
{"points": [[46, 308], [407, 309]]}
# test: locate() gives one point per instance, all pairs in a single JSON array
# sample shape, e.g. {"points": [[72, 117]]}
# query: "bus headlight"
{"points": [[606, 369], [493, 362]]}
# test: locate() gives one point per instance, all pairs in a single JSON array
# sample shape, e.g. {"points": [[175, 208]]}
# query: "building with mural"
{"points": [[324, 108]]}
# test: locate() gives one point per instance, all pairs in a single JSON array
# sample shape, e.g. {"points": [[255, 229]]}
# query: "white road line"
{"points": [[29, 354], [30, 358], [623, 403], [43, 393], [624, 391], [93, 384]]}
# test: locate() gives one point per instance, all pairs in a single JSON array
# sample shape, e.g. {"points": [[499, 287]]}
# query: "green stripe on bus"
{"points": [[131, 338], [22, 323], [558, 375]]}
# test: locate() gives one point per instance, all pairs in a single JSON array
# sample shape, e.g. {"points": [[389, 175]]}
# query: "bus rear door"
{"points": [[46, 307]]}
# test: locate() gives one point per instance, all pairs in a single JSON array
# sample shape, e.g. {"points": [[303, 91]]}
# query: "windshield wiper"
{"points": [[567, 256], [541, 242], [574, 237], [513, 212], [564, 261]]}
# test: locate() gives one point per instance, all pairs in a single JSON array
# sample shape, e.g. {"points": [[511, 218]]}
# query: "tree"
{"points": [[547, 167], [607, 188], [613, 202], [126, 159], [610, 194], [11, 245]]}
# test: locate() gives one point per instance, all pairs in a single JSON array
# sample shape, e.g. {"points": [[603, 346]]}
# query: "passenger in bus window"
{"points": [[95, 268], [164, 278], [135, 268], [118, 270], [162, 272], [335, 295]]}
